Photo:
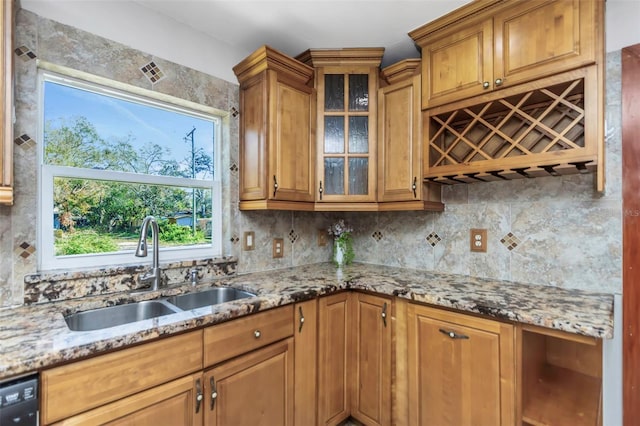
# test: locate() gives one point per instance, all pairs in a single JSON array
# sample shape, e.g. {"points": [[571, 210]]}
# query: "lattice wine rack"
{"points": [[540, 129]]}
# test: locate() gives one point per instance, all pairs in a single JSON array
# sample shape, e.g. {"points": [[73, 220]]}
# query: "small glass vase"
{"points": [[343, 250], [338, 253]]}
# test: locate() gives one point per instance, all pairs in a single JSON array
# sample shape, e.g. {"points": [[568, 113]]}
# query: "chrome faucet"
{"points": [[141, 251]]}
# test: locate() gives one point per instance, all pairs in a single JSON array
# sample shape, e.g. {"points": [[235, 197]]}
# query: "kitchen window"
{"points": [[109, 157]]}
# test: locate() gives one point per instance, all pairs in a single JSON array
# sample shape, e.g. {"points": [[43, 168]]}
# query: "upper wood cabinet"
{"points": [[6, 107], [277, 137], [346, 81], [400, 183], [491, 44]]}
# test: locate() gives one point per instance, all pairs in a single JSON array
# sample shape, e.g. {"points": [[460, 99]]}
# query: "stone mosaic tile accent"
{"points": [[510, 241], [433, 239], [25, 141], [234, 112], [377, 235], [152, 72], [234, 239], [24, 250], [57, 286], [234, 168], [293, 237], [25, 53]]}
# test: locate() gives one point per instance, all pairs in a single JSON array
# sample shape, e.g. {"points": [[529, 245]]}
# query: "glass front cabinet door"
{"points": [[346, 82]]}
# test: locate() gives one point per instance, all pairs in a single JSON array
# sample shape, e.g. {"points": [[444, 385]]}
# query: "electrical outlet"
{"points": [[478, 240], [322, 238], [278, 247], [249, 240]]}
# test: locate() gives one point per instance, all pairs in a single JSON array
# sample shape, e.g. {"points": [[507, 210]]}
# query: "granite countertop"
{"points": [[34, 337]]}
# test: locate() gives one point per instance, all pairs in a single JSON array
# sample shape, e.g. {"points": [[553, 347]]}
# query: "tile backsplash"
{"points": [[548, 231]]}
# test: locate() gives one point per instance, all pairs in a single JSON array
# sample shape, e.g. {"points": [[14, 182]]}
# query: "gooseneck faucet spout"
{"points": [[141, 251]]}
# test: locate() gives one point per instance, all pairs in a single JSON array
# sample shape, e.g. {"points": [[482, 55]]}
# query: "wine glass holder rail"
{"points": [[545, 128]]}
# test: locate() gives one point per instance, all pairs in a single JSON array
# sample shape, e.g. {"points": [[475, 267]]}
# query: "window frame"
{"points": [[47, 260]]}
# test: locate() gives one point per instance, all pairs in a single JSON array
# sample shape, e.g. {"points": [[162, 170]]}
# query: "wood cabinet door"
{"points": [[255, 389], [371, 397], [306, 361], [253, 138], [399, 127], [6, 105], [174, 403], [539, 38], [291, 141], [457, 65], [461, 369], [333, 359], [346, 140]]}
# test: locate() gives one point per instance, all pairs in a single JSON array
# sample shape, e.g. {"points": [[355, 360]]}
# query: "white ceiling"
{"points": [[296, 25]]}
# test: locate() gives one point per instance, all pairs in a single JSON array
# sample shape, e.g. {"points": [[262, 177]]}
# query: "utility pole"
{"points": [[193, 175]]}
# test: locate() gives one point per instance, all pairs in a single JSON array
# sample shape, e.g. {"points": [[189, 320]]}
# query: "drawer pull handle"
{"points": [[214, 392], [453, 334], [257, 334], [301, 319], [199, 396], [485, 85], [499, 81], [414, 187]]}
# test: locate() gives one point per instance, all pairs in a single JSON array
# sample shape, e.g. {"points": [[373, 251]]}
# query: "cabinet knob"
{"points": [[257, 334], [499, 82], [486, 85]]}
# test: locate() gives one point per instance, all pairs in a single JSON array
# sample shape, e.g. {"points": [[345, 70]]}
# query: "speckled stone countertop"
{"points": [[35, 337]]}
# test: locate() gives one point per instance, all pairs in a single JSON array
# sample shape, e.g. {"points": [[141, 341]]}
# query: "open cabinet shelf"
{"points": [[546, 129], [561, 380]]}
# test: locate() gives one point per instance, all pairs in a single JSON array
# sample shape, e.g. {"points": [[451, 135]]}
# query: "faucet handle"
{"points": [[194, 276]]}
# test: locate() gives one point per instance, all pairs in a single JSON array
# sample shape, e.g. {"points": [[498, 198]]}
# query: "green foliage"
{"points": [[174, 233], [345, 241], [81, 242]]}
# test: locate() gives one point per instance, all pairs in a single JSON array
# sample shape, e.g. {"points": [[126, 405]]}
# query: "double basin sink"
{"points": [[97, 319]]}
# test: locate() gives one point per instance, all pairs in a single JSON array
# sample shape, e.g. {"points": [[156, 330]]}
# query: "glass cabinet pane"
{"points": [[334, 176], [358, 92], [334, 92], [334, 135], [359, 134], [358, 176]]}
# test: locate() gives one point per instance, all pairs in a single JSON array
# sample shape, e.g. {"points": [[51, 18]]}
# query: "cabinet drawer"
{"points": [[242, 335], [77, 387]]}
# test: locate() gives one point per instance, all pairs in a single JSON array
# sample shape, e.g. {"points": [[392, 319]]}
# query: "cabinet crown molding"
{"points": [[265, 58], [401, 70], [369, 56]]}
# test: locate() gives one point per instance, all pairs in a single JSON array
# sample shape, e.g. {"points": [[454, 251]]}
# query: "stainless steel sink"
{"points": [[209, 297], [100, 318]]}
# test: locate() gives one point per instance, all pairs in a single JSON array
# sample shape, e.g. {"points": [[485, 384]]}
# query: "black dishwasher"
{"points": [[19, 401]]}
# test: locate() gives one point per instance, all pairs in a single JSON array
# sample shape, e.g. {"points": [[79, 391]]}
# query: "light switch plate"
{"points": [[478, 240], [249, 240], [278, 247]]}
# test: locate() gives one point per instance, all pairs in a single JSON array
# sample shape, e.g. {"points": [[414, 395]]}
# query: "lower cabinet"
{"points": [[371, 358], [334, 399], [378, 359], [174, 403], [461, 369], [254, 389]]}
